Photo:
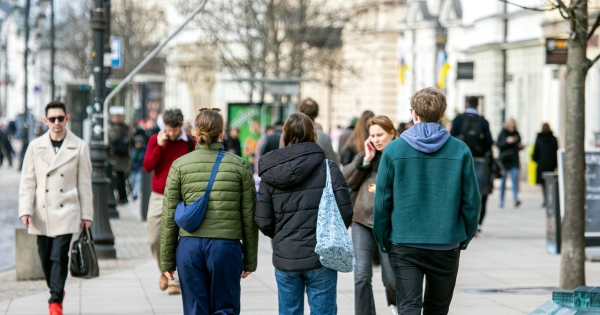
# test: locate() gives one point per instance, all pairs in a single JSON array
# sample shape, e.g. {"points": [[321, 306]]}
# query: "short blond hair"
{"points": [[429, 104]]}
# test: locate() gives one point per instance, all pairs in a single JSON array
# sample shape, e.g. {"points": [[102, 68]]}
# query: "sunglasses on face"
{"points": [[53, 119], [216, 109]]}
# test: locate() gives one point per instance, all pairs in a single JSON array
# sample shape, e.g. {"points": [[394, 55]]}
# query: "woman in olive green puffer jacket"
{"points": [[211, 259]]}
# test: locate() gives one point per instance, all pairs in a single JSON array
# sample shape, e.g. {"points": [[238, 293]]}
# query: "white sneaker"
{"points": [[394, 309]]}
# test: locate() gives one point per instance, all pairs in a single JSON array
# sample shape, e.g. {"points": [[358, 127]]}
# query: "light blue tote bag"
{"points": [[334, 246]]}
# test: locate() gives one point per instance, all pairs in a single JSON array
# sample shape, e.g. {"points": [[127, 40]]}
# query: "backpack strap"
{"points": [[220, 156]]}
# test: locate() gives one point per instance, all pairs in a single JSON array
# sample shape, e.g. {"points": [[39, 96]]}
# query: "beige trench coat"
{"points": [[56, 188]]}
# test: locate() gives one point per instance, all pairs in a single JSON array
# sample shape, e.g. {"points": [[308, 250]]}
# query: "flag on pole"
{"points": [[444, 67], [402, 67]]}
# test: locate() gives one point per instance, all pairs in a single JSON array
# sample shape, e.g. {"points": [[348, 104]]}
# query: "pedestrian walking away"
{"points": [[310, 107], [210, 259], [162, 150], [509, 143], [544, 154], [361, 175], [137, 158], [474, 131], [273, 141], [55, 197], [120, 140], [292, 183], [424, 220]]}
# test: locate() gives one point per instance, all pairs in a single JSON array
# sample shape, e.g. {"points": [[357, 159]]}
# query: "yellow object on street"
{"points": [[531, 167]]}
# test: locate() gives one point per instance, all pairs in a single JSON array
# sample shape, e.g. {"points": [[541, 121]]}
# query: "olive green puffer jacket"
{"points": [[231, 205]]}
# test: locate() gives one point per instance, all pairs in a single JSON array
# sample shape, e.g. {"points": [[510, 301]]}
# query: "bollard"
{"points": [[27, 260], [145, 192], [553, 219]]}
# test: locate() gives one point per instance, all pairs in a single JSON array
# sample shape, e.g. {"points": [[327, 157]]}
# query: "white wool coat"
{"points": [[56, 188]]}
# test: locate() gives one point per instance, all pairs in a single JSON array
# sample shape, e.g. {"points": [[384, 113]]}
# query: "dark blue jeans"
{"points": [[364, 244], [438, 267], [321, 289], [209, 275]]}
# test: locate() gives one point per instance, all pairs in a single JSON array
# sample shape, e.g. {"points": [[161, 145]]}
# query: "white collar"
{"points": [[183, 136], [471, 110]]}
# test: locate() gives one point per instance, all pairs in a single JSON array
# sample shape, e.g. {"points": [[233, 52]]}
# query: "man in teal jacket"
{"points": [[426, 207]]}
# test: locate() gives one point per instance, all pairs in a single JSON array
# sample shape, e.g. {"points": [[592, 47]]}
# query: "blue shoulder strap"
{"points": [[220, 156]]}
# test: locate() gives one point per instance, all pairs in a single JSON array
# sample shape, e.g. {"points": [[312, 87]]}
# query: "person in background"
{"points": [[273, 141], [422, 219], [211, 259], [6, 149], [509, 143], [361, 175], [345, 135], [310, 108], [120, 139], [544, 154], [355, 142], [474, 130], [137, 158], [251, 143], [233, 144], [292, 182], [163, 149], [269, 130], [55, 197]]}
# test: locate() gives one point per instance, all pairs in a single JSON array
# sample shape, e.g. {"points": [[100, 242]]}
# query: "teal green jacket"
{"points": [[231, 204], [425, 198]]}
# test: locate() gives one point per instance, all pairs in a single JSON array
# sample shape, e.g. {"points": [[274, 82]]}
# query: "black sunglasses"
{"points": [[53, 119]]}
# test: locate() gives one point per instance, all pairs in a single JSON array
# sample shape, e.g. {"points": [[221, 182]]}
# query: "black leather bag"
{"points": [[84, 263]]}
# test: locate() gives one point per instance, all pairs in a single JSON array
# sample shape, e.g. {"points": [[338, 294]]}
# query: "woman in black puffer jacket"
{"points": [[292, 182]]}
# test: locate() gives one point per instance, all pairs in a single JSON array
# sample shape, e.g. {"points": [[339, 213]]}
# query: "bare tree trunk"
{"points": [[573, 226]]}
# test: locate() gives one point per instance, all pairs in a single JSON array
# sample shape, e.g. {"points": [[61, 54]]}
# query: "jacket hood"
{"points": [[426, 137], [290, 166], [546, 134]]}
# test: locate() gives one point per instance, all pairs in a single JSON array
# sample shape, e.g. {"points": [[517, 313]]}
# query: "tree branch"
{"points": [[594, 60], [594, 27], [539, 9]]}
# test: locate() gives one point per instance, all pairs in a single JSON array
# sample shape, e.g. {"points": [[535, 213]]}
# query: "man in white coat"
{"points": [[55, 197]]}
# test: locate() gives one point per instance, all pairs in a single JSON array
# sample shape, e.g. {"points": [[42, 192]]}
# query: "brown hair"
{"points": [[209, 127], [429, 104], [385, 123], [309, 107], [298, 128], [360, 133], [546, 128]]}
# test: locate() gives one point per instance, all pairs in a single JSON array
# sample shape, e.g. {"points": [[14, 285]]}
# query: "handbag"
{"points": [[505, 156], [84, 262], [334, 246], [190, 217]]}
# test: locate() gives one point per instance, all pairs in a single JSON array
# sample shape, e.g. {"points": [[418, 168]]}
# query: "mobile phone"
{"points": [[371, 146]]}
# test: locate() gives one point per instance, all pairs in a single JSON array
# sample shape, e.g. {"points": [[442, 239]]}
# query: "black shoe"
{"points": [[517, 203], [123, 202]]}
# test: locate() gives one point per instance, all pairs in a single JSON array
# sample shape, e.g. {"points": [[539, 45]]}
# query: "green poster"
{"points": [[246, 117]]}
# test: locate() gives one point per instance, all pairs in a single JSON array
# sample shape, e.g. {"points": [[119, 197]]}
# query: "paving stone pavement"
{"points": [[9, 189]]}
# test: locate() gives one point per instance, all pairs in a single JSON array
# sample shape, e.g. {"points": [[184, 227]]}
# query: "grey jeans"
{"points": [[364, 244]]}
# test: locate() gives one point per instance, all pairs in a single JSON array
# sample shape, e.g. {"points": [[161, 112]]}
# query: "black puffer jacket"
{"points": [[292, 182], [509, 152]]}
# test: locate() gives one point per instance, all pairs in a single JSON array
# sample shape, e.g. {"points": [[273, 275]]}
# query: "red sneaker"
{"points": [[55, 308]]}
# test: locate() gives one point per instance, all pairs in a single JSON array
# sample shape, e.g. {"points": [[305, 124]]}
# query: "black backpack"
{"points": [[121, 146], [472, 134]]}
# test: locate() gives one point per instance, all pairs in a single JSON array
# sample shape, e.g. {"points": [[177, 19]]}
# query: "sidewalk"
{"points": [[508, 254]]}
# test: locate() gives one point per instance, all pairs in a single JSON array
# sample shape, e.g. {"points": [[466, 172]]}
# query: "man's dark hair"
{"points": [[269, 128], [173, 118], [473, 101], [309, 107], [56, 104], [279, 124]]}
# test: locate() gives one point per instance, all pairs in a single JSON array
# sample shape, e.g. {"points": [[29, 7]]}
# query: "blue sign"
{"points": [[116, 54]]}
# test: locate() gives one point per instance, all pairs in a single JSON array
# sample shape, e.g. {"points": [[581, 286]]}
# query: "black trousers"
{"points": [[54, 254], [483, 208], [120, 184], [439, 267]]}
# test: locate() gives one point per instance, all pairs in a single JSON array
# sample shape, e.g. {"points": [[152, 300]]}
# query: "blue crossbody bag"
{"points": [[190, 217]]}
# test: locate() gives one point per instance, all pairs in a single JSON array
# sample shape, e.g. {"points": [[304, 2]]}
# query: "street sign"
{"points": [[116, 54], [464, 70], [556, 51]]}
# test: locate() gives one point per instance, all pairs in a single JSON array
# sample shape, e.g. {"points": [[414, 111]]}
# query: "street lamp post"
{"points": [[25, 130], [103, 238]]}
